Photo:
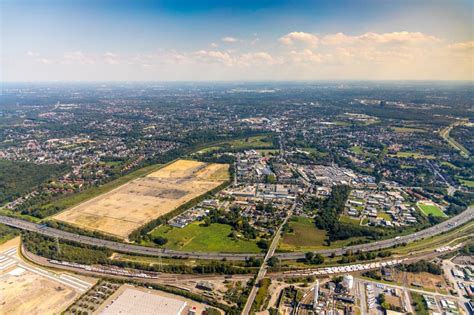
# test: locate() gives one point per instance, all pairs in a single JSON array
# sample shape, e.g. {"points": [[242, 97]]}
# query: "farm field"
{"points": [[432, 209], [213, 238], [125, 208]]}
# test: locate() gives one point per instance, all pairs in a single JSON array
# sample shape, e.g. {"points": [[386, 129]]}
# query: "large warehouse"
{"points": [[136, 302]]}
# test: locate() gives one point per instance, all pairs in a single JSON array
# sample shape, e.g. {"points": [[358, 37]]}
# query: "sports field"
{"points": [[429, 208], [126, 208], [213, 238]]}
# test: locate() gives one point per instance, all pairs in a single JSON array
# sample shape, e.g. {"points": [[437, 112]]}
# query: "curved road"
{"points": [[447, 225]]}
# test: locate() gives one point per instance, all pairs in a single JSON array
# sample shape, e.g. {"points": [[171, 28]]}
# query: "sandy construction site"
{"points": [[126, 208], [28, 289]]}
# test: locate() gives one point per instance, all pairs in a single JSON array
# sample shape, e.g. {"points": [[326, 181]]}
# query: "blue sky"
{"points": [[236, 40]]}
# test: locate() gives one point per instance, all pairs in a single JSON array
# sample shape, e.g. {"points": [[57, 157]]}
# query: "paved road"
{"points": [[122, 247], [447, 225], [264, 266]]}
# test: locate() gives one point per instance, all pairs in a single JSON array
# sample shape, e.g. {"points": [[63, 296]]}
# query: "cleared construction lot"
{"points": [[28, 289], [126, 208]]}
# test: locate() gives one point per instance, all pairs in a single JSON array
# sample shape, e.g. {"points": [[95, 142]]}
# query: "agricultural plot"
{"points": [[126, 208]]}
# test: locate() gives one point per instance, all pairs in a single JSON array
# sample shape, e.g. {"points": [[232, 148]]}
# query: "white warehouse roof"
{"points": [[135, 302]]}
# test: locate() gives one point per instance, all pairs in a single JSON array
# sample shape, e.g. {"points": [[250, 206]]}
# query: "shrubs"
{"points": [[314, 259], [160, 240], [422, 266]]}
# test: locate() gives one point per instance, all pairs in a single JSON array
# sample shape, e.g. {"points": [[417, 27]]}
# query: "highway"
{"points": [[445, 226]]}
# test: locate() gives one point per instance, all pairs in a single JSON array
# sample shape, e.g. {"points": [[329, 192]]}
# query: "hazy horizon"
{"points": [[176, 41]]}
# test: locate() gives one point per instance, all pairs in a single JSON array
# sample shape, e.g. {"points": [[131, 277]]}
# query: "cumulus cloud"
{"points": [[299, 37], [213, 56], [229, 39], [410, 55], [306, 56], [260, 58]]}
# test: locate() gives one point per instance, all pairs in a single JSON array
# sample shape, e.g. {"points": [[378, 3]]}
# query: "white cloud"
{"points": [[260, 58], [214, 45], [463, 46], [77, 57], [306, 56], [30, 53], [229, 39], [378, 38], [301, 37], [111, 58], [213, 56]]}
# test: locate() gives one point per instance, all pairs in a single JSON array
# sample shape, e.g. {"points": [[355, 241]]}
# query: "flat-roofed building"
{"points": [[136, 302]]}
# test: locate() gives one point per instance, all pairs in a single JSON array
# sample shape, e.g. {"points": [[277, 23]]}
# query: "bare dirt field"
{"points": [[30, 293], [126, 208], [28, 289]]}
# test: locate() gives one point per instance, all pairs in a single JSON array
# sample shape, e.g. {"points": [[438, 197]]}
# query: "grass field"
{"points": [[268, 152], [349, 220], [414, 155], [466, 182], [305, 235], [384, 216], [199, 238], [126, 208], [314, 151], [432, 209], [251, 142], [408, 130], [357, 150]]}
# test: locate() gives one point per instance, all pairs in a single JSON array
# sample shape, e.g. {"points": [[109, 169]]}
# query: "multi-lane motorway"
{"points": [[445, 226]]}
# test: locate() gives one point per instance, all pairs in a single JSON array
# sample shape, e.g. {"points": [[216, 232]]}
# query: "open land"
{"points": [[30, 293], [126, 208], [306, 236], [432, 209], [196, 237], [27, 289]]}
